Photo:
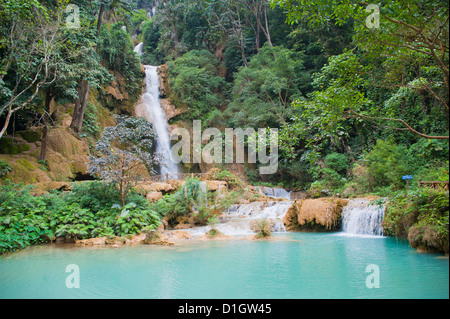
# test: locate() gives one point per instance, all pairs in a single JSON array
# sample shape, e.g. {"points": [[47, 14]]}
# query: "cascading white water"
{"points": [[239, 219], [151, 109], [156, 115], [361, 218], [275, 192], [139, 48]]}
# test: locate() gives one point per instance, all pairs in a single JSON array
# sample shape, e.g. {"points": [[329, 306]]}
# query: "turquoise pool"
{"points": [[295, 265]]}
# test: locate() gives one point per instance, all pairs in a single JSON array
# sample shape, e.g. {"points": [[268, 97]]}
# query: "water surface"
{"points": [[297, 265]]}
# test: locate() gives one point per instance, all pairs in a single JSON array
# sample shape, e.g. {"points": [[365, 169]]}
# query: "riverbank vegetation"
{"points": [[421, 216], [89, 210]]}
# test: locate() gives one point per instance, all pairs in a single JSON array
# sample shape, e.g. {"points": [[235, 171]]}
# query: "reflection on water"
{"points": [[297, 265]]}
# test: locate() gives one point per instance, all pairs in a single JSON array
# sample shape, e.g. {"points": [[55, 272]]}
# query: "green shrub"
{"points": [[196, 84], [91, 210], [337, 162], [117, 54], [4, 169], [332, 179], [94, 196], [262, 228], [90, 122], [22, 220], [318, 189], [386, 164], [182, 202]]}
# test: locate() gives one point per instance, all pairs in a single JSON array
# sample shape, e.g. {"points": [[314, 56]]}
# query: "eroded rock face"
{"points": [[323, 214], [427, 239], [154, 196]]}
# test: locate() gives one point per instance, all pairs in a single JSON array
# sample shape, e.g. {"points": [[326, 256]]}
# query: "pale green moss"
{"points": [[26, 164]]}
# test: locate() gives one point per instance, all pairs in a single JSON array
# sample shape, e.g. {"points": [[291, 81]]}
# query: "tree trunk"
{"points": [[244, 57], [44, 139], [258, 41], [44, 144], [267, 32], [5, 126], [80, 105], [100, 18]]}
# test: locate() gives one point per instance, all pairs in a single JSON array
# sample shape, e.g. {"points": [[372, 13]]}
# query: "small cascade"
{"points": [[240, 219], [360, 217], [275, 192], [139, 48]]}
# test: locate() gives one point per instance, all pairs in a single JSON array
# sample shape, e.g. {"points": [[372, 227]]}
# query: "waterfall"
{"points": [[138, 49], [359, 217], [240, 219], [275, 192], [150, 108]]}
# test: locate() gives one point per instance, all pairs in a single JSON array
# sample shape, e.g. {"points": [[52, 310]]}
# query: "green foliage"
{"points": [[122, 151], [337, 162], [262, 228], [22, 220], [233, 181], [9, 146], [94, 196], [196, 84], [4, 169], [90, 210], [386, 164], [188, 198], [117, 53], [263, 92], [90, 122], [214, 233], [420, 216], [151, 51]]}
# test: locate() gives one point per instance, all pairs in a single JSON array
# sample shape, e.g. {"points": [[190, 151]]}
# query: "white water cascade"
{"points": [[240, 219], [275, 192], [156, 115], [360, 217], [150, 108], [139, 48]]}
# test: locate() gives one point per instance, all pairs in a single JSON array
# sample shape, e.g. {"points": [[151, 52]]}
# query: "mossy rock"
{"points": [[26, 164], [8, 146], [19, 174], [61, 141], [31, 136], [58, 168], [79, 165]]}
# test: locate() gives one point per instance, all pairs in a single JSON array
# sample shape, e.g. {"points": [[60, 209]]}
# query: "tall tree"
{"points": [[30, 37], [410, 42]]}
